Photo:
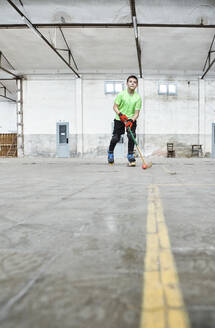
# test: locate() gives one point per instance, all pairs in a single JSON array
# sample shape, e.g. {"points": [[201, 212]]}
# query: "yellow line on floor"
{"points": [[162, 304], [185, 185]]}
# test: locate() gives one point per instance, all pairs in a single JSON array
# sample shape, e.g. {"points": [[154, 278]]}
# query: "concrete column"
{"points": [[20, 123], [79, 111], [201, 114]]}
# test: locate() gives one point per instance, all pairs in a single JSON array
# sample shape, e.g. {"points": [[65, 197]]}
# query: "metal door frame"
{"points": [[58, 144]]}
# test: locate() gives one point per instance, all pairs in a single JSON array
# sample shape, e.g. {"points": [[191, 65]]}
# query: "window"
{"points": [[172, 89], [113, 87], [162, 89], [167, 88]]}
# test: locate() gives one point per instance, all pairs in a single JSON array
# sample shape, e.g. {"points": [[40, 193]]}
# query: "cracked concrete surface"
{"points": [[73, 237]]}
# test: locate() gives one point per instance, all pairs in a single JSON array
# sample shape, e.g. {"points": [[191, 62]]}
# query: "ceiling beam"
{"points": [[8, 72], [5, 97], [5, 91], [2, 56], [101, 25], [134, 23], [4, 69], [68, 49], [208, 59], [40, 35], [208, 69]]}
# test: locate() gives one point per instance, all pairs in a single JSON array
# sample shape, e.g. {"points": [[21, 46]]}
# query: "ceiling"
{"points": [[170, 50], [112, 11]]}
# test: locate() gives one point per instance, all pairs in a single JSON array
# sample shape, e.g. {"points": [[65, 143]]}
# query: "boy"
{"points": [[127, 106]]}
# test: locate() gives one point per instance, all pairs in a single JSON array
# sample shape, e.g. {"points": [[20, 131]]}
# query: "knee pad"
{"points": [[115, 138]]}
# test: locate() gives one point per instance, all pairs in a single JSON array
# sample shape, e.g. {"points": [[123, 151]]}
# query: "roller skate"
{"points": [[110, 158], [131, 159]]}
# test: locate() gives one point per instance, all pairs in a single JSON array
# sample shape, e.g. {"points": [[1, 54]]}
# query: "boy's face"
{"points": [[132, 83]]}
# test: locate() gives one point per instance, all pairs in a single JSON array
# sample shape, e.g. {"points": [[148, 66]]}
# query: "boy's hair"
{"points": [[133, 77]]}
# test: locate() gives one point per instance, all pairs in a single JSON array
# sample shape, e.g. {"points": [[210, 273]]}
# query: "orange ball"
{"points": [[144, 166]]}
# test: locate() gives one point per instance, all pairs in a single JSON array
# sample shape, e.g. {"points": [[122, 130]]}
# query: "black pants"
{"points": [[118, 130]]}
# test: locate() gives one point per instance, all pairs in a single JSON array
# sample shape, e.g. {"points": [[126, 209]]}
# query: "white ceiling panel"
{"points": [[108, 50], [111, 11], [67, 11], [175, 11], [93, 49], [174, 49], [98, 49], [26, 51]]}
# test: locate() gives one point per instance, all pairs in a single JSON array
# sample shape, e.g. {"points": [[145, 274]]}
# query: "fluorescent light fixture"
{"points": [[32, 28], [135, 26]]}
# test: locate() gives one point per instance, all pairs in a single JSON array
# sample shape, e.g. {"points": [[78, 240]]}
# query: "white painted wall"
{"points": [[8, 117], [46, 102], [89, 111], [185, 119], [98, 111], [98, 116], [171, 114]]}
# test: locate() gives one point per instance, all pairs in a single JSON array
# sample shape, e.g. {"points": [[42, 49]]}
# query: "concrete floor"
{"points": [[73, 240]]}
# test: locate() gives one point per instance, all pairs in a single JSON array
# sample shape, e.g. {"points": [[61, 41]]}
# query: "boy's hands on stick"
{"points": [[129, 123], [123, 118]]}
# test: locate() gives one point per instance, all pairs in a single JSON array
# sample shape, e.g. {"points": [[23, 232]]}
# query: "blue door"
{"points": [[213, 140], [62, 139]]}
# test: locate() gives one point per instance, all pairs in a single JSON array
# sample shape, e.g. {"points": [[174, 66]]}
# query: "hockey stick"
{"points": [[145, 165]]}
